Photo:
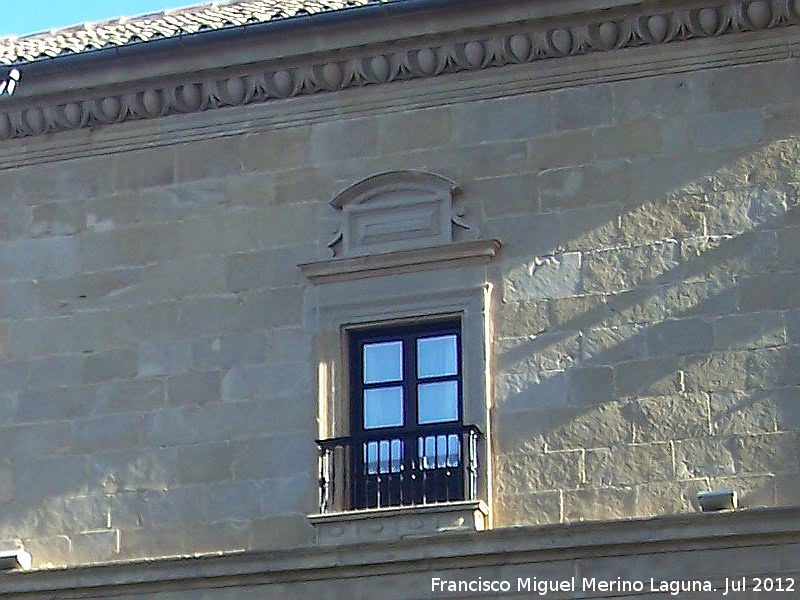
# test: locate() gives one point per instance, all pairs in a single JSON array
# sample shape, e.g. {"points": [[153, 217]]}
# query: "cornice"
{"points": [[765, 527], [384, 63], [404, 261]]}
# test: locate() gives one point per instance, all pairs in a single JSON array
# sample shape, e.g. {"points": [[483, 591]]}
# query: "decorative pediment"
{"points": [[399, 222], [399, 210]]}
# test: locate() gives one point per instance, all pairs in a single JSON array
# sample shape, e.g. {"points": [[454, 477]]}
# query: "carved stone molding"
{"points": [[398, 210], [371, 525], [769, 532], [399, 222], [405, 261], [525, 43]]}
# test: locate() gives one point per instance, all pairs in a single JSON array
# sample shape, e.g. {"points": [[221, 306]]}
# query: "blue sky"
{"points": [[20, 17]]}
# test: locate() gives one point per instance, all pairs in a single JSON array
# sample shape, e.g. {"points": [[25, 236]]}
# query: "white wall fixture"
{"points": [[10, 84], [12, 560], [715, 500]]}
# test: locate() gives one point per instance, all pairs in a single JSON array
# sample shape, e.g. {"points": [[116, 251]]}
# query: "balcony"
{"points": [[398, 482]]}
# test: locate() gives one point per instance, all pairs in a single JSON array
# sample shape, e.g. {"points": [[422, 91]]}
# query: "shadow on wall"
{"points": [[658, 352], [657, 359]]}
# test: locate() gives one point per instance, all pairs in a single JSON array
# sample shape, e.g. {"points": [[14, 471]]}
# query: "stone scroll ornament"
{"points": [[9, 84]]}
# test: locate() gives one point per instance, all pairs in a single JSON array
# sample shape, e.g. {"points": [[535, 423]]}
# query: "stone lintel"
{"points": [[405, 261]]}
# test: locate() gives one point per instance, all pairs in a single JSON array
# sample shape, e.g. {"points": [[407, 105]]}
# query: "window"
{"points": [[400, 315], [407, 439], [408, 445]]}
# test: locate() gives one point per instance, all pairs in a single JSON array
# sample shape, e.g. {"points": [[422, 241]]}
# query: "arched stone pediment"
{"points": [[377, 187], [399, 222], [397, 210]]}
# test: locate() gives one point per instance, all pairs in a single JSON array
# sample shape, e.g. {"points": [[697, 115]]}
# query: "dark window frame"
{"points": [[410, 478], [408, 334]]}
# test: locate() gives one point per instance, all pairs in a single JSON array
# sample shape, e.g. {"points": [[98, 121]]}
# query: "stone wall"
{"points": [[158, 382], [645, 345], [700, 556]]}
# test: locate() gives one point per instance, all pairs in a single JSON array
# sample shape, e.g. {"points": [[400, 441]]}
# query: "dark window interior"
{"points": [[406, 415]]}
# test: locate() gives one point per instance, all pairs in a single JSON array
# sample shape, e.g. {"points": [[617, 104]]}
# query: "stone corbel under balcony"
{"points": [[384, 524]]}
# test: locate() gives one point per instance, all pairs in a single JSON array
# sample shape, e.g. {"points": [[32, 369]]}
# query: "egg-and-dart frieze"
{"points": [[411, 63]]}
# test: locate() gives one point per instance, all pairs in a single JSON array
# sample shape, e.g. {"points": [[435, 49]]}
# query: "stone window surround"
{"points": [[340, 309], [404, 285], [337, 320]]}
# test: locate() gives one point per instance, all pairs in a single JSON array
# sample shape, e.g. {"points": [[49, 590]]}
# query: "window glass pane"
{"points": [[436, 356], [438, 451], [383, 456], [437, 402], [383, 407], [383, 362]]}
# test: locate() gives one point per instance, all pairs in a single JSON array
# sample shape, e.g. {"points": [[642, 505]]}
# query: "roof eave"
{"points": [[274, 41]]}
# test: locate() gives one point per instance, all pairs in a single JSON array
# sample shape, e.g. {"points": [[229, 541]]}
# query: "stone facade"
{"points": [[624, 251]]}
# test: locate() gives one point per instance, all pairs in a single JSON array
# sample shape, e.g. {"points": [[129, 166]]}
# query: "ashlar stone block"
{"points": [[55, 372], [225, 351], [590, 385], [136, 395], [37, 440], [597, 183], [163, 358], [674, 217], [511, 194], [749, 330], [650, 377], [676, 417], [554, 276], [561, 149], [769, 291], [428, 128], [543, 352], [520, 317], [624, 268], [194, 388], [282, 148], [517, 117], [602, 425], [629, 464], [668, 497], [751, 412], [725, 129], [119, 363], [43, 258], [660, 96], [57, 219], [89, 547], [772, 367], [265, 457], [612, 345], [725, 258], [783, 455], [204, 462], [593, 503], [704, 457], [538, 508], [117, 472], [582, 107], [106, 433], [518, 474], [680, 336], [345, 139], [717, 371]]}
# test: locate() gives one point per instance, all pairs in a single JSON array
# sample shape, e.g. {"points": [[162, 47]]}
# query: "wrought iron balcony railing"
{"points": [[399, 467]]}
